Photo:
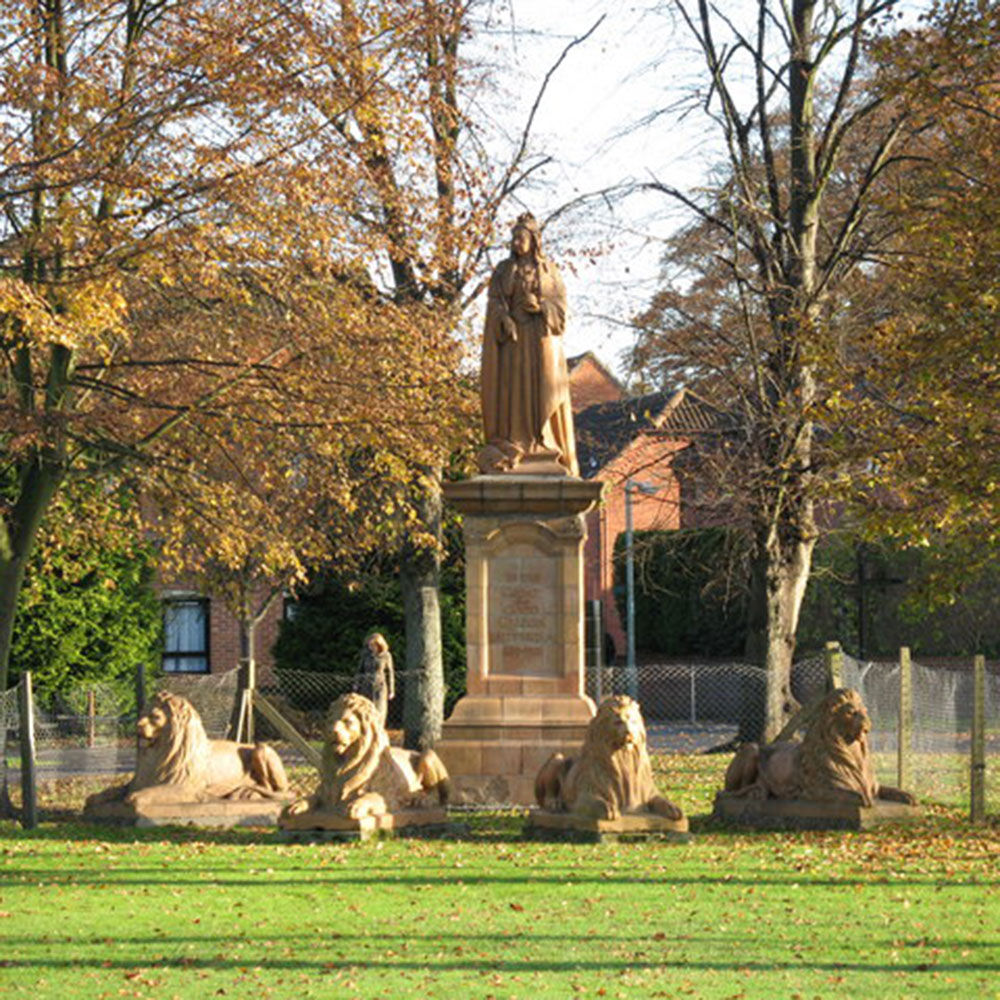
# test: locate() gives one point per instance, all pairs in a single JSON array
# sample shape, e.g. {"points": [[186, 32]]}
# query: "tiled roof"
{"points": [[572, 363], [606, 429]]}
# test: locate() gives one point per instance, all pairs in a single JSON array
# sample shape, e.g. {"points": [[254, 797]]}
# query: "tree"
{"points": [[928, 421], [165, 301], [334, 615], [87, 612], [318, 482], [788, 249]]}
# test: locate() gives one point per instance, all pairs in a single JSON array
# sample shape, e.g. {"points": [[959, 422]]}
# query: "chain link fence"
{"points": [[938, 747], [694, 705], [690, 706], [697, 706], [303, 696], [10, 732], [90, 729]]}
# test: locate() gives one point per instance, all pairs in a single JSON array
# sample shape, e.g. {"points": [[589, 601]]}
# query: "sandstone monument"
{"points": [[527, 415], [825, 780], [182, 776], [524, 533], [365, 784]]}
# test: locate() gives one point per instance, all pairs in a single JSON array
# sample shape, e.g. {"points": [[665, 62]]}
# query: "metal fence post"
{"points": [[596, 632], [977, 782], [29, 791], [140, 701], [91, 718], [904, 734], [140, 688], [834, 661]]}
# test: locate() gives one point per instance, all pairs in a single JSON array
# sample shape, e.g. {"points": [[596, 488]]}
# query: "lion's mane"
{"points": [[179, 754], [834, 753], [346, 775]]}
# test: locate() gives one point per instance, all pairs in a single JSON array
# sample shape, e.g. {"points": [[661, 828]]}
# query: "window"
{"points": [[290, 608], [185, 628]]}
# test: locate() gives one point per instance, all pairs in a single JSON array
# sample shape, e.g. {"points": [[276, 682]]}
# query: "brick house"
{"points": [[640, 438], [591, 383], [201, 634]]}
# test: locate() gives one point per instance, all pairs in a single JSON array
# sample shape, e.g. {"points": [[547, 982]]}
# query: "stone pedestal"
{"points": [[803, 814], [329, 826], [223, 813], [525, 696], [545, 825]]}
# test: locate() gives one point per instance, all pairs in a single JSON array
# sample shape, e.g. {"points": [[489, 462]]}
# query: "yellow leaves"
{"points": [[90, 314], [27, 312]]}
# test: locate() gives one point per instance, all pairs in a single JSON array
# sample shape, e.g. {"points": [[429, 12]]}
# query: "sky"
{"points": [[590, 123], [610, 115]]}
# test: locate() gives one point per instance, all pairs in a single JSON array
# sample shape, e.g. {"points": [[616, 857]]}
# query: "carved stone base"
{"points": [[525, 698], [799, 814], [328, 826], [494, 745], [545, 825], [223, 813]]}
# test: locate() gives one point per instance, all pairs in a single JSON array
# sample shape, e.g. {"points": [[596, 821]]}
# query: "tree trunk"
{"points": [[39, 483], [423, 695], [248, 635], [779, 575]]}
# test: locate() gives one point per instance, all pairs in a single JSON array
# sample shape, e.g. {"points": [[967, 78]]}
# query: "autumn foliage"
{"points": [[931, 364], [203, 206]]}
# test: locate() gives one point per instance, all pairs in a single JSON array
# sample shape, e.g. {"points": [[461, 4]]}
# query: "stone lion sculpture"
{"points": [[177, 762], [831, 764], [361, 775], [612, 776]]}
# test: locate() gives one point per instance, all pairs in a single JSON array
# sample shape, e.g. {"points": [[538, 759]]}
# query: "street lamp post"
{"points": [[631, 671]]}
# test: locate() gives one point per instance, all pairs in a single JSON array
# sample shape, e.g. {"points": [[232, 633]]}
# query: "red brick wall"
{"points": [[590, 384], [647, 460]]}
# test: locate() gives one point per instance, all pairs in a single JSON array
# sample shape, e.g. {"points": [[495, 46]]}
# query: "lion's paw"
{"points": [[665, 808]]}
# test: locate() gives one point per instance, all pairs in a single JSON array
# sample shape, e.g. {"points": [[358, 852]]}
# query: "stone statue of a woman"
{"points": [[376, 678], [527, 414]]}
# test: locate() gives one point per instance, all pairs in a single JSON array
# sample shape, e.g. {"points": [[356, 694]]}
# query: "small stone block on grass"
{"points": [[801, 814], [545, 825]]}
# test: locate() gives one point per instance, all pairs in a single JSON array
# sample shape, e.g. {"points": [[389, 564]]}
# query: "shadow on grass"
{"points": [[390, 876], [382, 939], [633, 963], [488, 827]]}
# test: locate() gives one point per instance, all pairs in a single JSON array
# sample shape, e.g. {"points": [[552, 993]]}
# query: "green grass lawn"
{"points": [[90, 912]]}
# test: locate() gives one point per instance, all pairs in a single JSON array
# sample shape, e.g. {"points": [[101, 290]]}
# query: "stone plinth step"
{"points": [[551, 496], [404, 822]]}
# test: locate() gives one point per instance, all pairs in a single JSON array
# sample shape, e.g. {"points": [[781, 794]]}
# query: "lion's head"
{"points": [[841, 717], [354, 742], [618, 724], [173, 747], [834, 752]]}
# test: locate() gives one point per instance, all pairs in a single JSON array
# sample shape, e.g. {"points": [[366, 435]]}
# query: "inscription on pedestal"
{"points": [[523, 616]]}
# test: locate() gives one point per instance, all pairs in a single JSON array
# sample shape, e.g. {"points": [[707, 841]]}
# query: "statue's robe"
{"points": [[525, 383]]}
